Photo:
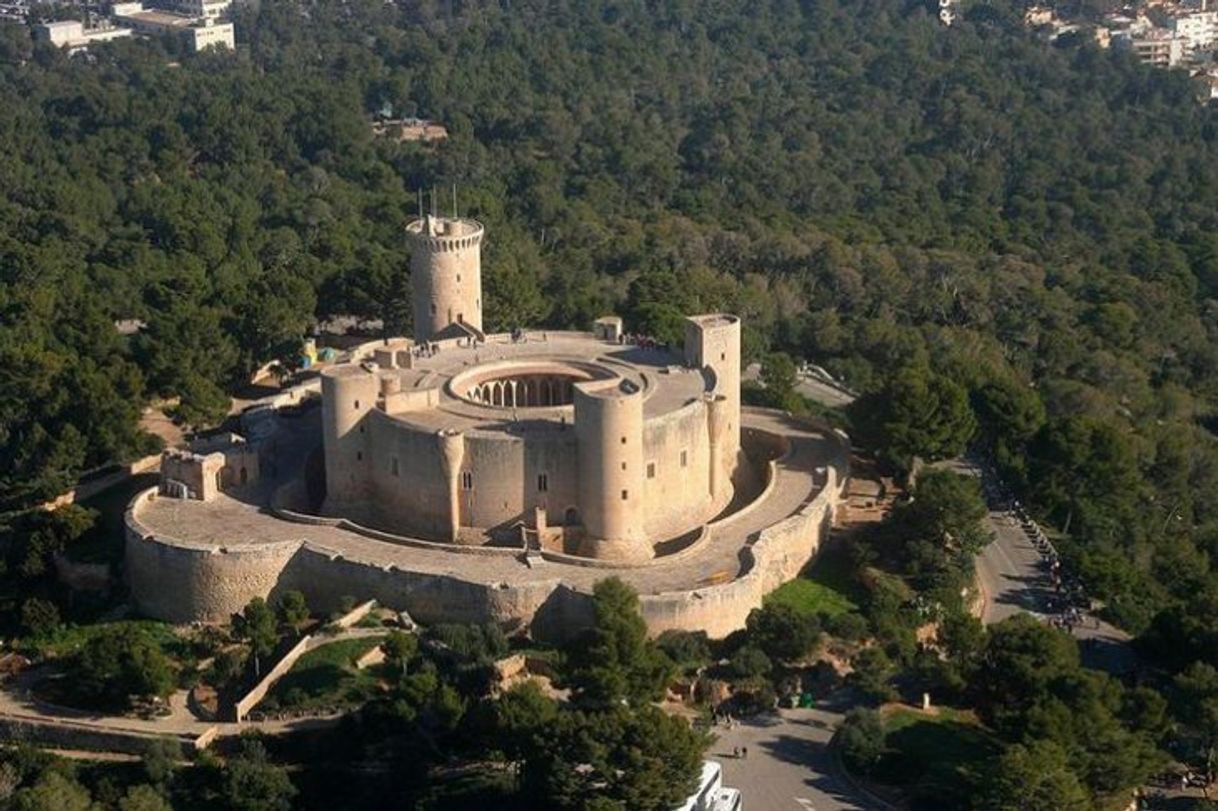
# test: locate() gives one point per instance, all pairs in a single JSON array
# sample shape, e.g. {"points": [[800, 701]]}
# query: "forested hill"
{"points": [[932, 212]]}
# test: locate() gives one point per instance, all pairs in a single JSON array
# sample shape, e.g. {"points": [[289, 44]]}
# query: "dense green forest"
{"points": [[967, 223]]}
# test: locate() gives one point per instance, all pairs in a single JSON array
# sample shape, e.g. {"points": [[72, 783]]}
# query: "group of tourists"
{"points": [[641, 341]]}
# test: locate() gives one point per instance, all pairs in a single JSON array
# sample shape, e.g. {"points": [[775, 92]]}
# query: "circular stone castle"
{"points": [[469, 477]]}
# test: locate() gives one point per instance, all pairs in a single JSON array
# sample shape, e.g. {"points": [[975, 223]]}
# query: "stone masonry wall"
{"points": [[181, 583]]}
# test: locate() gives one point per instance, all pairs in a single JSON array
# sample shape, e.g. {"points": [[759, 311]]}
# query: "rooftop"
{"points": [[166, 19], [660, 374]]}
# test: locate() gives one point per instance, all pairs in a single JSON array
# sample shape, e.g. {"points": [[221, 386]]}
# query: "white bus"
{"points": [[711, 795]]}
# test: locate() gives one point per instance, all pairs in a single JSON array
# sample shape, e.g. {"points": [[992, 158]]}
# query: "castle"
{"points": [[471, 477], [595, 445]]}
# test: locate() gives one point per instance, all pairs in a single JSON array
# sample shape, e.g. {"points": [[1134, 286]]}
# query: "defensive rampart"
{"points": [[774, 557], [183, 582]]}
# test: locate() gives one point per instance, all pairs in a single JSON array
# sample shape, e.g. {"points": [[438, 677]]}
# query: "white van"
{"points": [[711, 795]]}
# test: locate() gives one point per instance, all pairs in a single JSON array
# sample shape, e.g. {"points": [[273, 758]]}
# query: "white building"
{"points": [[1198, 29], [211, 34], [1154, 46], [73, 35], [202, 9], [198, 32], [947, 12]]}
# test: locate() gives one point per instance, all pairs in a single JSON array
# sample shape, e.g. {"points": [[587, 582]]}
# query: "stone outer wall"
{"points": [[779, 553], [181, 583], [92, 487], [326, 578]]}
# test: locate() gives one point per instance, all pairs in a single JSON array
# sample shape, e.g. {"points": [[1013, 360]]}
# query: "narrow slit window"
{"points": [[651, 470], [467, 480], [625, 495], [396, 472], [543, 483], [684, 458]]}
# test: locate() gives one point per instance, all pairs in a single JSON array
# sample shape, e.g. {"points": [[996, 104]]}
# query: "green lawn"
{"points": [[931, 757], [70, 638], [327, 677], [826, 587]]}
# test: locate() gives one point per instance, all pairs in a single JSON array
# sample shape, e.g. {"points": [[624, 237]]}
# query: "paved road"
{"points": [[810, 387], [789, 766], [1014, 579]]}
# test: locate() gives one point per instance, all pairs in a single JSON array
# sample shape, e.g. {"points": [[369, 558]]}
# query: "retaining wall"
{"points": [[66, 734], [251, 699]]}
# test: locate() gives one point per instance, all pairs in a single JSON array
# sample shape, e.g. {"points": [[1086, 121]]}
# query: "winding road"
{"points": [[1014, 579], [789, 764]]}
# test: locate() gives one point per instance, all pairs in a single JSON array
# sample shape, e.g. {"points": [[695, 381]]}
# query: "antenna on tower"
{"points": [[419, 194], [454, 201]]}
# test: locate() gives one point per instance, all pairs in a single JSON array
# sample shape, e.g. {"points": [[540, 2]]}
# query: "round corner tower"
{"points": [[445, 274], [348, 394], [609, 431]]}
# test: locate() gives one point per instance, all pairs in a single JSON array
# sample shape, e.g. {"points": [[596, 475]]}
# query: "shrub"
{"points": [[861, 738]]}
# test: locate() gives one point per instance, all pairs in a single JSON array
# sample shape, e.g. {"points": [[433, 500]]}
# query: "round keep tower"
{"points": [[609, 433], [445, 274]]}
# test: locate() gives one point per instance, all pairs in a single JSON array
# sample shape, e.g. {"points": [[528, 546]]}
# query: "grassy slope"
{"points": [[825, 587], [327, 676]]}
